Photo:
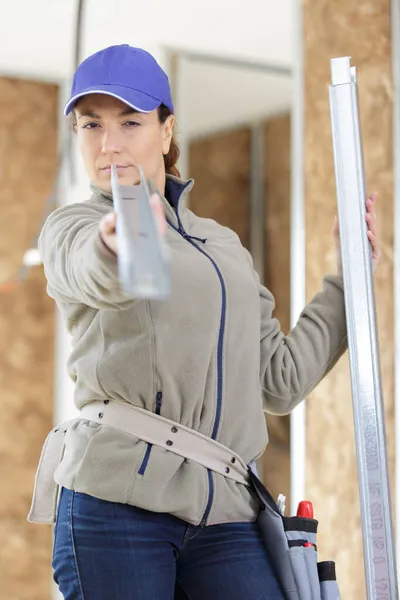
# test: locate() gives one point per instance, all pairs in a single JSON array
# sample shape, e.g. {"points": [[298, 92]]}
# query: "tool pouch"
{"points": [[327, 577], [291, 546]]}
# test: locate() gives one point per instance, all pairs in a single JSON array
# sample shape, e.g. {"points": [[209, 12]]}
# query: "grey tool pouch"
{"points": [[291, 546], [328, 583]]}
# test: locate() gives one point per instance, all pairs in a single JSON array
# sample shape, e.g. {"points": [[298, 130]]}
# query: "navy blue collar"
{"points": [[174, 190]]}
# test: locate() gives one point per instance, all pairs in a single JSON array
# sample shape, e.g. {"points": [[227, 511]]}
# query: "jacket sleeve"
{"points": [[78, 266], [291, 366]]}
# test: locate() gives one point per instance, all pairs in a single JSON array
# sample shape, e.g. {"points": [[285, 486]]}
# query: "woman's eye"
{"points": [[90, 125], [130, 124]]}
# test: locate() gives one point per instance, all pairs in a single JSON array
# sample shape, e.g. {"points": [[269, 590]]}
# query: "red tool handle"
{"points": [[305, 510]]}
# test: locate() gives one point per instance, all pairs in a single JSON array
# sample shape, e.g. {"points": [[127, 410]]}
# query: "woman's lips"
{"points": [[119, 168]]}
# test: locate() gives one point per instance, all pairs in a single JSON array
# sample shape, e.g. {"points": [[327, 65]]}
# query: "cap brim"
{"points": [[133, 98]]}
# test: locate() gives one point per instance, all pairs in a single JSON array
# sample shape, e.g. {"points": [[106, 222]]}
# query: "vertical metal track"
{"points": [[395, 17], [369, 418]]}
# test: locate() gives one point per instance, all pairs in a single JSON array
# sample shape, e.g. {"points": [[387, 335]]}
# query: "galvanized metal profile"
{"points": [[395, 17], [368, 410]]}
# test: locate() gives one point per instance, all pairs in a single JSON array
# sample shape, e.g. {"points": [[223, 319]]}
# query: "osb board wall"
{"points": [[276, 155], [28, 142], [360, 29], [220, 164]]}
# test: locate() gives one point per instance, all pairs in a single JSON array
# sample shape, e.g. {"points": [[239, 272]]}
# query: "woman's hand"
{"points": [[108, 223], [108, 231], [372, 234]]}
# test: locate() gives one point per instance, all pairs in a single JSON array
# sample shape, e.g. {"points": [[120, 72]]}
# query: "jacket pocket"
{"points": [[146, 458]]}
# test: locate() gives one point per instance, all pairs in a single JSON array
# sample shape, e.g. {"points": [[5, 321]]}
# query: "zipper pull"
{"points": [[188, 237]]}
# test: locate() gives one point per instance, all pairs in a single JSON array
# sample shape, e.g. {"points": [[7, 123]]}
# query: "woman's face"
{"points": [[110, 132]]}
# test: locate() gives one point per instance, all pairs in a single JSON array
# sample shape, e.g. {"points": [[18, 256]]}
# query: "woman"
{"points": [[135, 519]]}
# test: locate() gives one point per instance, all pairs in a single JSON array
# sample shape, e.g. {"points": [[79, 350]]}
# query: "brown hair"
{"points": [[172, 157]]}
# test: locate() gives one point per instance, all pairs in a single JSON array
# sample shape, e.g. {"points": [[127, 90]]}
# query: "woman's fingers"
{"points": [[109, 223], [371, 221], [371, 202], [372, 233]]}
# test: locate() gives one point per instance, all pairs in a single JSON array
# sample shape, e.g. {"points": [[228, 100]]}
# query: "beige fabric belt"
{"points": [[144, 425]]}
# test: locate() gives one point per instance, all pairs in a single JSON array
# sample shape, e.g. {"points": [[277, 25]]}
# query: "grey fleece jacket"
{"points": [[211, 357]]}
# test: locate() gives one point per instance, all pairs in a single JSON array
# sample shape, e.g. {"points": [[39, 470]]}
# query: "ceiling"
{"points": [[218, 97], [37, 40]]}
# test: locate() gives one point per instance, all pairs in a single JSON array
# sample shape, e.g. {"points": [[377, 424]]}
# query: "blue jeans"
{"points": [[109, 551]]}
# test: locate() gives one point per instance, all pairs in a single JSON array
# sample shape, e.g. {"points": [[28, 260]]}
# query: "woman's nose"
{"points": [[111, 142]]}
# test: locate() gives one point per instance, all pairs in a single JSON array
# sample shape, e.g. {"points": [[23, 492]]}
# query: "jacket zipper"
{"points": [[221, 336], [145, 460]]}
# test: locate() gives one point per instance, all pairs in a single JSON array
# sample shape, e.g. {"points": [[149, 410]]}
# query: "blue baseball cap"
{"points": [[130, 74]]}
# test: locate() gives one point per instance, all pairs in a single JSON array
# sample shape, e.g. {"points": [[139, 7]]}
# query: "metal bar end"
{"points": [[341, 72]]}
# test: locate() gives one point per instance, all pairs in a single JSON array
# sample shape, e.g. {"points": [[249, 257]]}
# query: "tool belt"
{"points": [[290, 542]]}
